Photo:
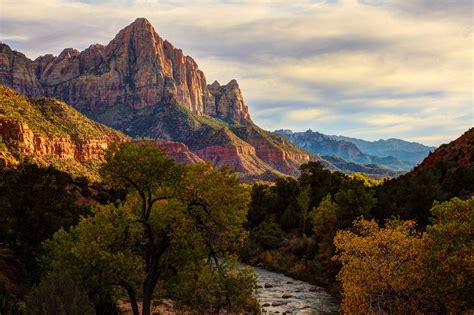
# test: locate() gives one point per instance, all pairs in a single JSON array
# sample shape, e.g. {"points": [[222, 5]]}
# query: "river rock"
{"points": [[278, 303], [315, 289]]}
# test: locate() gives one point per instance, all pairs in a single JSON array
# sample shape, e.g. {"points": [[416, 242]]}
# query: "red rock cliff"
{"points": [[177, 151], [27, 142], [459, 151]]}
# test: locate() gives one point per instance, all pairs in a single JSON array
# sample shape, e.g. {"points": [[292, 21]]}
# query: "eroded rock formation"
{"points": [[136, 69]]}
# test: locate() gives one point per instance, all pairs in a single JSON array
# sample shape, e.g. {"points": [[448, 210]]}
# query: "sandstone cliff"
{"points": [[229, 102], [51, 132], [17, 72]]}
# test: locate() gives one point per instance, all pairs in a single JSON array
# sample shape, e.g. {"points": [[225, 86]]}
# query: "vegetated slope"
{"points": [[411, 152], [143, 86], [376, 171], [48, 131], [457, 152]]}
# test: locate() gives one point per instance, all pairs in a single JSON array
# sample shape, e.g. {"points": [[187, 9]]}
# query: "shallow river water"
{"points": [[279, 294]]}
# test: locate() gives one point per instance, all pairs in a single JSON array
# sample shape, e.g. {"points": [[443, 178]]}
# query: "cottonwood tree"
{"points": [[174, 216]]}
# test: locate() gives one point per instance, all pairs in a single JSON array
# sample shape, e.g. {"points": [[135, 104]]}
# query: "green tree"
{"points": [[324, 219], [150, 173], [321, 181], [409, 197], [353, 199], [324, 227], [304, 201], [449, 262], [175, 217], [41, 200], [103, 250]]}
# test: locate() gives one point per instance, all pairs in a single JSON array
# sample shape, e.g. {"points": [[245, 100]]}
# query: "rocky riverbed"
{"points": [[279, 294]]}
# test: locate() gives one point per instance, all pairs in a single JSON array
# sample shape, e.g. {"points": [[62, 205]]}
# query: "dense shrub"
{"points": [[59, 294]]}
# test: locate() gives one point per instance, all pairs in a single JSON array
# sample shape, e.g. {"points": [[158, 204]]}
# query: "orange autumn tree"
{"points": [[382, 267]]}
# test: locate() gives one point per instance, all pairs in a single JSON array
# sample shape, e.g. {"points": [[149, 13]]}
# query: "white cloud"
{"points": [[313, 114]]}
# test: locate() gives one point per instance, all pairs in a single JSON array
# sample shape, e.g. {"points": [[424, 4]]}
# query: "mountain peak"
{"points": [[230, 105], [215, 85], [141, 28], [141, 20], [233, 83], [141, 24], [140, 35]]}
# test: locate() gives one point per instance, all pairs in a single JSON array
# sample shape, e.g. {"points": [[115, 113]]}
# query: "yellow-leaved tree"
{"points": [[382, 267], [395, 270]]}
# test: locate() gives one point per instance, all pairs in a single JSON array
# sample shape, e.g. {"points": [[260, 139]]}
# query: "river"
{"points": [[280, 294]]}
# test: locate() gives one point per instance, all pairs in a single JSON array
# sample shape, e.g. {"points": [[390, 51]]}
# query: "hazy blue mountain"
{"points": [[324, 145], [411, 152]]}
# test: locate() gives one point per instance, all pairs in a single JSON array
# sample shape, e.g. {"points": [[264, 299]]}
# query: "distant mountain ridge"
{"points": [[411, 152], [375, 171], [324, 145]]}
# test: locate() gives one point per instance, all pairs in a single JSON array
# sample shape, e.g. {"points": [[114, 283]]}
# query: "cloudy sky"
{"points": [[364, 68]]}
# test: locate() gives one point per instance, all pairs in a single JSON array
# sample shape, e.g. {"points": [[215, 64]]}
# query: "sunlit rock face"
{"points": [[137, 69]]}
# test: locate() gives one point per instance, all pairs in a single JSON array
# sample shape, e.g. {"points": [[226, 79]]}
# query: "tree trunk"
{"points": [[146, 308], [147, 297], [133, 302], [133, 299]]}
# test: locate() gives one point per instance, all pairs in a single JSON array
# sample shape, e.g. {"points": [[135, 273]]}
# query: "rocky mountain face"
{"points": [[229, 102], [137, 69], [325, 146], [142, 85], [457, 152], [51, 132], [18, 72]]}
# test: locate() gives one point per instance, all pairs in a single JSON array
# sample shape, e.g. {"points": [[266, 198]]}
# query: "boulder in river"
{"points": [[274, 304], [315, 289]]}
